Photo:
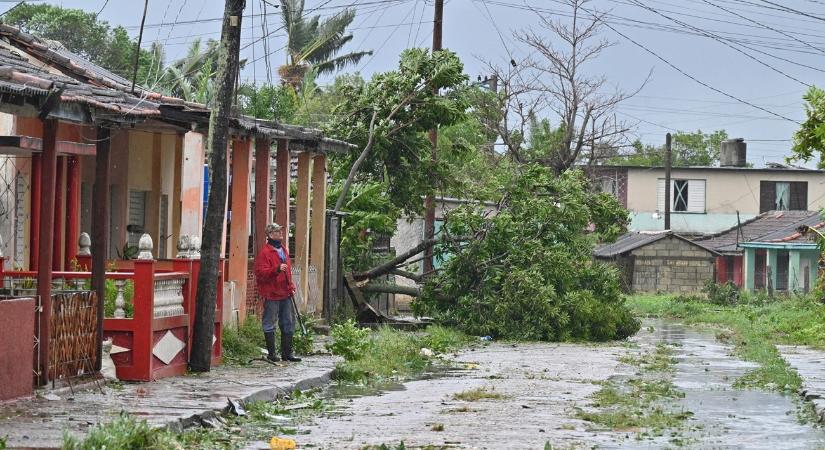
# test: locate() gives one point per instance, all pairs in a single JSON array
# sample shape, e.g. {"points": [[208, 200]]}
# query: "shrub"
{"points": [[724, 294], [122, 433], [527, 273], [349, 341]]}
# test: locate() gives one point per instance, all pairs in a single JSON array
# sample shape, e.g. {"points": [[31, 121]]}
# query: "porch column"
{"points": [[44, 268], [34, 230], [192, 185], [72, 208], [319, 225], [153, 197], [239, 229], [302, 226], [814, 268], [100, 223], [282, 175], [59, 216], [175, 202], [749, 268], [795, 280], [262, 155], [771, 258]]}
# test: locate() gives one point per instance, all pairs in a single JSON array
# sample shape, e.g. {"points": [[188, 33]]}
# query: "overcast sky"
{"points": [[766, 66]]}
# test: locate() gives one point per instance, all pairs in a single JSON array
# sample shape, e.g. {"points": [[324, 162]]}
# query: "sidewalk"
{"points": [[176, 401], [810, 364]]}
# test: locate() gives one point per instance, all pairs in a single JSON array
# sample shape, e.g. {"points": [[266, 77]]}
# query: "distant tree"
{"points": [[690, 148], [809, 139], [79, 32], [313, 43]]}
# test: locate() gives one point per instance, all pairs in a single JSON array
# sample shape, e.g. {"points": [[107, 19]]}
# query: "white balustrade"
{"points": [[169, 297]]}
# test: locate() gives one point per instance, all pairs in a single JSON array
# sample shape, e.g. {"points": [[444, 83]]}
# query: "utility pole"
{"points": [[429, 201], [200, 358], [668, 163]]}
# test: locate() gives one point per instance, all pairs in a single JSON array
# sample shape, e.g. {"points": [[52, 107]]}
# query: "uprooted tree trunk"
{"points": [[359, 283]]}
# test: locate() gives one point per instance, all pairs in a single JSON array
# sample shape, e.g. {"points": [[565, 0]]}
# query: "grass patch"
{"points": [[263, 421], [475, 395], [391, 354], [754, 328], [243, 343], [639, 403]]}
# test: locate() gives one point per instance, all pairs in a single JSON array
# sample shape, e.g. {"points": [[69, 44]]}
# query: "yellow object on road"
{"points": [[277, 443]]}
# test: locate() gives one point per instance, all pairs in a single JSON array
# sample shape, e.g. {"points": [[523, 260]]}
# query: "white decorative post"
{"points": [[145, 246], [184, 245], [84, 244], [195, 248], [119, 300]]}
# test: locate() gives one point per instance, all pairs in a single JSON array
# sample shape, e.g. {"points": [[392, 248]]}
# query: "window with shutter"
{"points": [[686, 196], [767, 196], [782, 194], [799, 196]]}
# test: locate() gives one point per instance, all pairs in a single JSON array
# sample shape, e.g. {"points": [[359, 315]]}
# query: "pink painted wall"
{"points": [[16, 343]]}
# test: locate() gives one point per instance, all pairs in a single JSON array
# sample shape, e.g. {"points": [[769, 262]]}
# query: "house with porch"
{"points": [[81, 151], [707, 200], [776, 251]]}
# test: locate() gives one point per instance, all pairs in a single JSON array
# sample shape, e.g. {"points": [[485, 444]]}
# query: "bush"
{"points": [[724, 294], [123, 433], [528, 271], [349, 341]]}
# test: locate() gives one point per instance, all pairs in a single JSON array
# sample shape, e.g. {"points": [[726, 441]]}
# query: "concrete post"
{"points": [[302, 226], [795, 280], [771, 263], [750, 268]]}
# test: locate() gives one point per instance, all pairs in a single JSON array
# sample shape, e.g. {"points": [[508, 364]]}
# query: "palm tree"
{"points": [[315, 44], [190, 77]]}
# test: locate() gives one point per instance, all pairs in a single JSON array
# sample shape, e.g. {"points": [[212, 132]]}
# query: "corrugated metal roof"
{"points": [[633, 240], [766, 227]]}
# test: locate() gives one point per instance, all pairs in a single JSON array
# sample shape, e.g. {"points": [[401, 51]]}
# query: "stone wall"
{"points": [[671, 265]]}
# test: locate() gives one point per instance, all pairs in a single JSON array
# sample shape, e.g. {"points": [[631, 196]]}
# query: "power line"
{"points": [[721, 41]]}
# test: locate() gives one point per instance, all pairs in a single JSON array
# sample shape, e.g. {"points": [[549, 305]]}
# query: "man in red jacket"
{"points": [[273, 273]]}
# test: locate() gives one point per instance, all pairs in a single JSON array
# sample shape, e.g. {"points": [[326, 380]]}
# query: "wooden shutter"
{"points": [[767, 196], [799, 196], [696, 196]]}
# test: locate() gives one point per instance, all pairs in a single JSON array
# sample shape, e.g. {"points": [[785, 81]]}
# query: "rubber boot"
{"points": [[286, 348], [270, 347]]}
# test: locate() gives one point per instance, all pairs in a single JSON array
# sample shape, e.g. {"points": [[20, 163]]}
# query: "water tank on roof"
{"points": [[733, 153]]}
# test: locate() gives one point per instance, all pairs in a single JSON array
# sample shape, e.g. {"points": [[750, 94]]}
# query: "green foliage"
{"points": [[810, 138], [111, 295], [527, 273], [756, 327], [80, 32], [690, 148], [240, 344], [405, 106], [390, 354], [122, 433], [371, 215], [722, 294], [349, 341], [268, 101], [315, 43]]}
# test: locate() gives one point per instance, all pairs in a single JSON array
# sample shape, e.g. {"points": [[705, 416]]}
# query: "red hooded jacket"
{"points": [[272, 283]]}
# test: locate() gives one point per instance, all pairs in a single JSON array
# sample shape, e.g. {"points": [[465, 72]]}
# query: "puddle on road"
{"points": [[726, 417]]}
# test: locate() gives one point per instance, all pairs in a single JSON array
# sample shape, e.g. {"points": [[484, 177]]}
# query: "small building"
{"points": [[659, 262], [772, 251], [709, 199]]}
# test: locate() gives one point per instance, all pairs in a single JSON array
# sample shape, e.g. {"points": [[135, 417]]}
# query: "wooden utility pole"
{"points": [[429, 201], [668, 163], [200, 358]]}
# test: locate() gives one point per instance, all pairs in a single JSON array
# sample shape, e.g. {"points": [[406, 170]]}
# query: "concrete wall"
{"points": [[727, 191], [671, 265]]}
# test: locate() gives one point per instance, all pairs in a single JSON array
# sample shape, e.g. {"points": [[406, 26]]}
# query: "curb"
{"points": [[267, 394], [816, 401]]}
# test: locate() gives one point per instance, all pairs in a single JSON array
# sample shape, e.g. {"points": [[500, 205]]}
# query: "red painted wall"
{"points": [[16, 343]]}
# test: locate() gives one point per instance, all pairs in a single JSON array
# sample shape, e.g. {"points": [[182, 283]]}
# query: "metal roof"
{"points": [[633, 240], [771, 226]]}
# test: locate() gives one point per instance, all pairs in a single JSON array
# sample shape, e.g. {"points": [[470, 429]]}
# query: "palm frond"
{"points": [[340, 62]]}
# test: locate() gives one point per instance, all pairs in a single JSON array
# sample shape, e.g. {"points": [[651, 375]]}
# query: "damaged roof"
{"points": [[633, 240], [771, 226], [45, 74]]}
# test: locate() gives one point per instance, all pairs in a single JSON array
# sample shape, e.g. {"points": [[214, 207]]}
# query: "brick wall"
{"points": [[253, 304], [671, 265]]}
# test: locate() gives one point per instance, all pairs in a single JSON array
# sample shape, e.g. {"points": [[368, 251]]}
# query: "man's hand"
{"points": [[282, 267]]}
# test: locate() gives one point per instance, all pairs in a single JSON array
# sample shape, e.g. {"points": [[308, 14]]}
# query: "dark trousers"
{"points": [[280, 312]]}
